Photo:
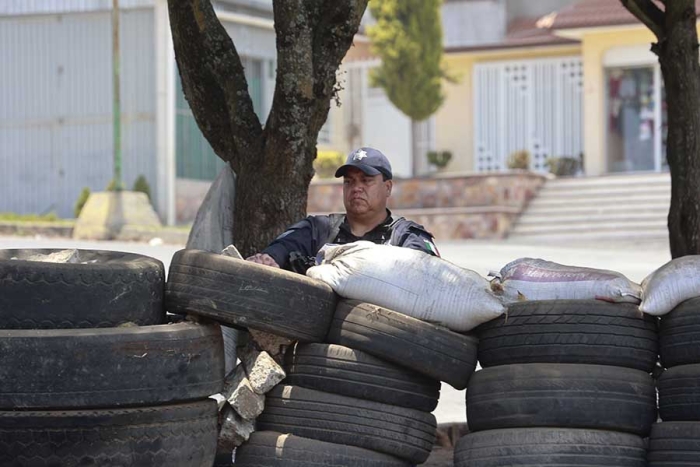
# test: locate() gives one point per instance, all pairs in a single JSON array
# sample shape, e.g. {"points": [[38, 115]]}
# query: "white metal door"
{"points": [[532, 105]]}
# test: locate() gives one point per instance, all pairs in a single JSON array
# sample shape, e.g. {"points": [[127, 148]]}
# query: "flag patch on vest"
{"points": [[431, 247]]}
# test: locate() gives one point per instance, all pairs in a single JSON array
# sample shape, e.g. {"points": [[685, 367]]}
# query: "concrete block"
{"points": [[232, 252], [235, 430], [115, 215], [273, 344], [263, 371], [241, 396], [63, 256]]}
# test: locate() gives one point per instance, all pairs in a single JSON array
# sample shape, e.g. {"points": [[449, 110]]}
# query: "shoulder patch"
{"points": [[431, 247]]}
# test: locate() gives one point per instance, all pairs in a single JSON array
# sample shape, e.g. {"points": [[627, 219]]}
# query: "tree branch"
{"points": [[313, 36], [288, 120], [338, 23], [649, 14], [214, 81]]}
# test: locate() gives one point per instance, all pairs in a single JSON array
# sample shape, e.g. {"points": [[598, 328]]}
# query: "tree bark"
{"points": [[677, 49], [415, 162], [680, 66], [273, 165]]}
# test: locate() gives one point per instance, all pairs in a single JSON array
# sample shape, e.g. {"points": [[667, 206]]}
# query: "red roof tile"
{"points": [[522, 32], [595, 13]]}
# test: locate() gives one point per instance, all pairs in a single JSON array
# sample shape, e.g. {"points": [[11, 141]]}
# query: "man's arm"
{"points": [[264, 259], [296, 238]]}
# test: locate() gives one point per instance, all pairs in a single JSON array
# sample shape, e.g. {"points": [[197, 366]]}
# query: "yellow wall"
{"points": [[454, 121], [594, 45], [454, 126]]}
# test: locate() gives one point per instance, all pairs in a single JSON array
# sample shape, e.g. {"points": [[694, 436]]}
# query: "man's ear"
{"points": [[389, 186]]}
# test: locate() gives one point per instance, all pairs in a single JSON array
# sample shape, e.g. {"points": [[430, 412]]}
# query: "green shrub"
{"points": [[563, 166], [439, 159], [519, 160], [14, 217], [327, 162], [141, 184], [111, 186], [82, 199]]}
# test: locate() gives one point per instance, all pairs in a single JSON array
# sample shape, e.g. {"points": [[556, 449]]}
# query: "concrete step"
{"points": [[575, 228], [609, 180], [590, 236], [605, 192], [587, 209], [660, 208], [592, 217], [591, 201]]}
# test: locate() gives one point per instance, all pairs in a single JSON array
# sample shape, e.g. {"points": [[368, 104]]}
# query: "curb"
{"points": [[170, 236]]}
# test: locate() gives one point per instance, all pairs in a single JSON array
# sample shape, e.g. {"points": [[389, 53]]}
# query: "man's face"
{"points": [[364, 194]]}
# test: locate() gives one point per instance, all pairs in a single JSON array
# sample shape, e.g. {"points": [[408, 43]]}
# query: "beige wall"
{"points": [[455, 119]]}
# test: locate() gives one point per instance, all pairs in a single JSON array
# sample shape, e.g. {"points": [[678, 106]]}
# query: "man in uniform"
{"points": [[367, 184]]}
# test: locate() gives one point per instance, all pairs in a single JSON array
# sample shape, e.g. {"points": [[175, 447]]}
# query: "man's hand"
{"points": [[262, 258]]}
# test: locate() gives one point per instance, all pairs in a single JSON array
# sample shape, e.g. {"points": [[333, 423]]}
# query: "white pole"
{"points": [[165, 113]]}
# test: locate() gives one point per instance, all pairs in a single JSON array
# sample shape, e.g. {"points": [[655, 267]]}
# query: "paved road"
{"points": [[636, 261]]}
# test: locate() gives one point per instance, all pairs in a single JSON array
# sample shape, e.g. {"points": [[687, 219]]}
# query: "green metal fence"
{"points": [[195, 157]]}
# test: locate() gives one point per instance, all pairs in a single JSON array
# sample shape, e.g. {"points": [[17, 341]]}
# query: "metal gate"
{"points": [[532, 105], [56, 107]]}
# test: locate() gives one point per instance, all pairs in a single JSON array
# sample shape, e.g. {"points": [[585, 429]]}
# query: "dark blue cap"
{"points": [[369, 160]]}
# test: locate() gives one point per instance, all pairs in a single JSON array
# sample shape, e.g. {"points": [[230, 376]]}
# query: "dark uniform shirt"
{"points": [[297, 247]]}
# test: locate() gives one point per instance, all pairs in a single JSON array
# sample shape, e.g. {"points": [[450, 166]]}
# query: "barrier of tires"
{"points": [[676, 439], [367, 394], [564, 382], [92, 373]]}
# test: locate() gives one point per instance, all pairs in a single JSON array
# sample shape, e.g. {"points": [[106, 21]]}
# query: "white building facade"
{"points": [[56, 99]]}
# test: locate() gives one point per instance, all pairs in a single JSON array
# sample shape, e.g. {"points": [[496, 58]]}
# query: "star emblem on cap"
{"points": [[359, 155]]}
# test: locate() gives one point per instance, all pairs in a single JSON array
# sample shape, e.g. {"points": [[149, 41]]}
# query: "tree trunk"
{"points": [[677, 49], [415, 162], [273, 165], [680, 66]]}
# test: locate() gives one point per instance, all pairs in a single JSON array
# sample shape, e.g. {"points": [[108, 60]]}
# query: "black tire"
{"points": [[561, 395], [166, 436], [268, 448], [679, 393], [554, 447], [113, 367], [680, 333], [570, 331], [405, 433], [674, 444], [223, 459], [433, 351], [245, 294], [113, 288], [341, 370]]}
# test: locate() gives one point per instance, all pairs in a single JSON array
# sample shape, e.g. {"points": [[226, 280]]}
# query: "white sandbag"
{"points": [[671, 284], [537, 279], [409, 282]]}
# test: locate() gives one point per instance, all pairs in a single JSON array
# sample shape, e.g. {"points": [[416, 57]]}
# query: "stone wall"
{"points": [[450, 206]]}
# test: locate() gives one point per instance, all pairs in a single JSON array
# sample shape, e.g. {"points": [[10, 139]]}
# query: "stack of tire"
{"points": [[361, 382], [91, 375], [565, 382], [676, 440]]}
